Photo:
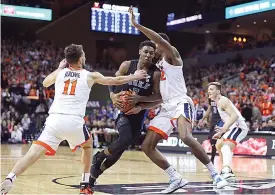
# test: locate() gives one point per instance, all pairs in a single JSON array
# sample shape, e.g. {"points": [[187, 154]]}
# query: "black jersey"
{"points": [[142, 87], [215, 118]]}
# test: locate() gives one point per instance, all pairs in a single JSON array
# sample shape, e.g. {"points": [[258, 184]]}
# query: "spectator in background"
{"points": [[26, 122], [270, 94], [266, 108], [246, 110], [110, 133], [256, 115], [16, 136], [199, 112], [5, 134]]}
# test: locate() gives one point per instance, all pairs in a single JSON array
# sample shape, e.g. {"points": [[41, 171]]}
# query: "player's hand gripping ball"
{"points": [[126, 105]]}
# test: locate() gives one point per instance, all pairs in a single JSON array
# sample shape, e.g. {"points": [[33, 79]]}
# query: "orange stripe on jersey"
{"points": [[230, 140], [49, 152], [157, 130]]}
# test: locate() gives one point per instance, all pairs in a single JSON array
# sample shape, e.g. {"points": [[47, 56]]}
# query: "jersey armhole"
{"points": [[87, 81], [130, 65]]}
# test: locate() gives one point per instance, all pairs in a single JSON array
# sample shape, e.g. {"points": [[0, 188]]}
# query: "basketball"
{"points": [[126, 106]]}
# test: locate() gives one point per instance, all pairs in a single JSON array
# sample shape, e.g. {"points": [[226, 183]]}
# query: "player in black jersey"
{"points": [[130, 124], [215, 120]]}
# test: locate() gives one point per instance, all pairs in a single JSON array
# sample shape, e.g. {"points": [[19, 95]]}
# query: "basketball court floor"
{"points": [[134, 174]]}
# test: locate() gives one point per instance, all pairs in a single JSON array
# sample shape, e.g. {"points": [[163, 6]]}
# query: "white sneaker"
{"points": [[228, 176], [6, 186], [175, 185], [219, 181]]}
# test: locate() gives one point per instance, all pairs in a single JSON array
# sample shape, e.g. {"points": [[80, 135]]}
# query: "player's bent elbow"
{"points": [[45, 84]]}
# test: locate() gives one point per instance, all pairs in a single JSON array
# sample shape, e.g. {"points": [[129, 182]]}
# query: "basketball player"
{"points": [[177, 111], [233, 131], [65, 120], [129, 125], [215, 120]]}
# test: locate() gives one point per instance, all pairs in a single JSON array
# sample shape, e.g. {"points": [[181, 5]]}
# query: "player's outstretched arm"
{"points": [[143, 106], [154, 36], [206, 115], [50, 79], [119, 80]]}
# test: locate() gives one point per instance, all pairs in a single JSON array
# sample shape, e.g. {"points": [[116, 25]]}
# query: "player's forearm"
{"points": [[50, 79], [150, 98], [152, 35], [148, 105], [120, 80], [207, 113], [230, 121]]}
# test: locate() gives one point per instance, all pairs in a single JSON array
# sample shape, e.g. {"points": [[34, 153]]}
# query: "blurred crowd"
{"points": [[249, 83], [230, 45]]}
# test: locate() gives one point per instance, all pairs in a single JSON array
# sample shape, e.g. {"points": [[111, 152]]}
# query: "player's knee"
{"points": [[229, 144], [147, 147], [186, 138], [184, 125], [36, 151], [124, 142], [219, 144]]}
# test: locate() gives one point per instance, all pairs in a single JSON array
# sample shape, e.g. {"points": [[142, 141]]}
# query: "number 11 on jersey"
{"points": [[66, 87]]}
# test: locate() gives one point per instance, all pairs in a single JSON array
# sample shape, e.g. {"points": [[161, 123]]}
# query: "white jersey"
{"points": [[71, 93], [224, 116], [172, 83]]}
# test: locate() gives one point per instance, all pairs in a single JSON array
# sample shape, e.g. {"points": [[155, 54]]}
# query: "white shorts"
{"points": [[60, 127], [166, 120], [236, 133]]}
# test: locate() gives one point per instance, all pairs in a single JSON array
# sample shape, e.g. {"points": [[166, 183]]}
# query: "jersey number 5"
{"points": [[66, 87]]}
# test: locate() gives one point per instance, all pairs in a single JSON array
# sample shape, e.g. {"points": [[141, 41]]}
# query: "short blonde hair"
{"points": [[217, 84]]}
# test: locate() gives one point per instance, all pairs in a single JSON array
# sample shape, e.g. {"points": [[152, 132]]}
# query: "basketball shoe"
{"points": [[228, 174], [175, 185], [219, 181], [86, 189], [6, 186]]}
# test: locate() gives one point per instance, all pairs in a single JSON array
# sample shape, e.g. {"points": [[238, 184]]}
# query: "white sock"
{"points": [[211, 168], [227, 155], [11, 176], [85, 177], [172, 173]]}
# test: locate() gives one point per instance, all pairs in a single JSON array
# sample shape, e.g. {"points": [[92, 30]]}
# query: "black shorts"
{"points": [[134, 123]]}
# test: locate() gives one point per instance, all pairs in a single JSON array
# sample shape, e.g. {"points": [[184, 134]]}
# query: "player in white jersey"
{"points": [[176, 112], [65, 120], [232, 132]]}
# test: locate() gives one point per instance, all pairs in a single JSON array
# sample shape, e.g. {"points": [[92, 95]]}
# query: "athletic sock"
{"points": [[211, 168], [11, 176], [227, 155], [172, 173], [85, 177]]}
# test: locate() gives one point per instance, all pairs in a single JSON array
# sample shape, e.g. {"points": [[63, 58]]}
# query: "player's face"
{"points": [[212, 92], [147, 54]]}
